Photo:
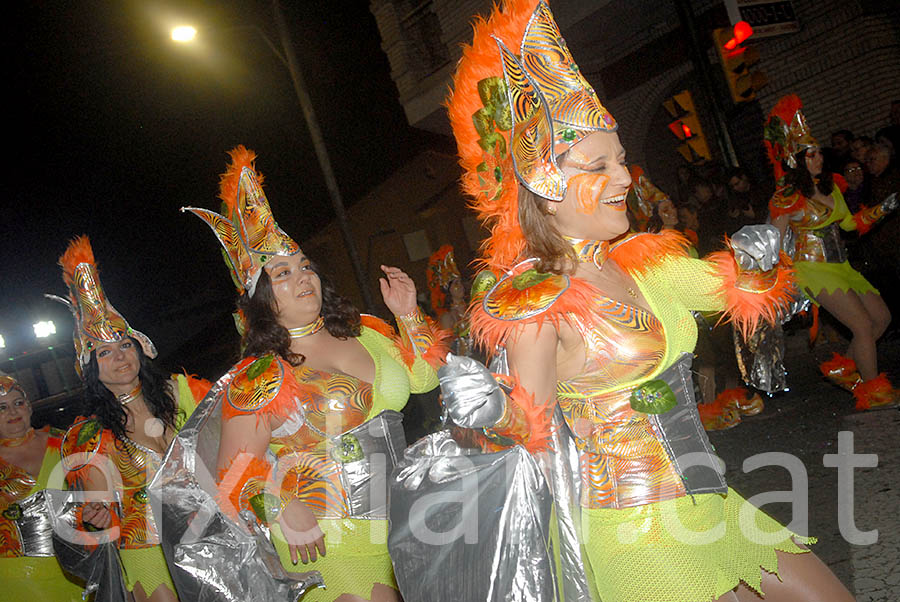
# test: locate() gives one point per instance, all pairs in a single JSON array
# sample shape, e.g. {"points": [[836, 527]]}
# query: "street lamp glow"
{"points": [[2, 342], [43, 330], [184, 33]]}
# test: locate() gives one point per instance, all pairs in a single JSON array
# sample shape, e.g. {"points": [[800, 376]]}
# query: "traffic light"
{"points": [[737, 61], [686, 127]]}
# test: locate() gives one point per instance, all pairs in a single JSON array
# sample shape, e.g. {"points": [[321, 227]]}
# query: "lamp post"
{"points": [[289, 60]]}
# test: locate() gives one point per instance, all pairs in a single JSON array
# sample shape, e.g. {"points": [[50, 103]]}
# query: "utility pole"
{"points": [[322, 154]]}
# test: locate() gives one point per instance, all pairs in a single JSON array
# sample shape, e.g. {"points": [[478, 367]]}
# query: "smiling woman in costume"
{"points": [[131, 411], [808, 207], [320, 387], [28, 568], [598, 330]]}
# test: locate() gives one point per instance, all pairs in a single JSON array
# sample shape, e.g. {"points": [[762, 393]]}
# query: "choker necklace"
{"points": [[594, 251], [126, 398], [311, 328], [18, 441]]}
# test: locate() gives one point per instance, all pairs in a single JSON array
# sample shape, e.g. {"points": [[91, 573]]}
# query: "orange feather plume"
{"points": [[79, 251], [638, 253], [479, 61], [229, 181], [746, 308]]}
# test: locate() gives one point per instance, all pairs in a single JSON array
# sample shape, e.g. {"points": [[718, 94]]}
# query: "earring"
{"points": [[551, 209]]}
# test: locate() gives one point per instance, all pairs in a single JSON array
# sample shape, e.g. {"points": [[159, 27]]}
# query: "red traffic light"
{"points": [[742, 31]]}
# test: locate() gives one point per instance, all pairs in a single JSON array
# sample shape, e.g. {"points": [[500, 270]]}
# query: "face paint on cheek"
{"points": [[588, 190]]}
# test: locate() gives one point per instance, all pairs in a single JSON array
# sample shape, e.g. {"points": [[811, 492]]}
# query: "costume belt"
{"points": [[682, 434], [821, 245], [365, 457], [32, 522]]}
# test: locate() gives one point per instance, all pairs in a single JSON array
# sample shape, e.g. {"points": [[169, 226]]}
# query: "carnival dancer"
{"points": [[131, 413], [320, 387], [448, 298], [27, 459], [809, 210], [598, 325]]}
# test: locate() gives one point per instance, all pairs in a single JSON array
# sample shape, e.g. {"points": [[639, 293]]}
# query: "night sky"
{"points": [[115, 127]]}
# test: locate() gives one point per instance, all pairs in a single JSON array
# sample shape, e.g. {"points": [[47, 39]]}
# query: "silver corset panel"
{"points": [[821, 245], [32, 521], [366, 456]]}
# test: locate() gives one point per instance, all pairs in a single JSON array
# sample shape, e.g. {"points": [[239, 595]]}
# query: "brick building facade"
{"points": [[843, 63]]}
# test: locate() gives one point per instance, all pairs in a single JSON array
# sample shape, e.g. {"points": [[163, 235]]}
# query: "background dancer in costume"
{"points": [[808, 208], [131, 414], [448, 298], [28, 568], [316, 382], [593, 322]]}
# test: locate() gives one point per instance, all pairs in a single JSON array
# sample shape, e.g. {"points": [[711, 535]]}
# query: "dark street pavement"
{"points": [[805, 423]]}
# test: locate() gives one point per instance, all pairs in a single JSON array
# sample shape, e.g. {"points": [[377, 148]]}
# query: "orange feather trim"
{"points": [[840, 182], [636, 253], [865, 391], [199, 386], [490, 332], [481, 60], [746, 308], [378, 325], [538, 418], [837, 363], [434, 355], [234, 477], [229, 181], [79, 251]]}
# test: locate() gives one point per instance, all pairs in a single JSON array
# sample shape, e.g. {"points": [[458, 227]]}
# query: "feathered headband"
{"points": [[247, 230], [535, 103], [441, 272], [786, 133], [96, 320]]}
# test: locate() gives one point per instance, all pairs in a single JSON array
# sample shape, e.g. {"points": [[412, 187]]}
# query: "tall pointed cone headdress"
{"points": [[535, 103], [786, 133], [96, 320], [247, 230]]}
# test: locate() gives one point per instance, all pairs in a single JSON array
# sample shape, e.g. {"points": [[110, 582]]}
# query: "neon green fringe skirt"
{"points": [[147, 566], [816, 276], [690, 549], [356, 558]]}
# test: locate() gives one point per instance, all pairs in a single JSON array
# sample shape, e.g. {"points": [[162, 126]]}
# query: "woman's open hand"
{"points": [[301, 530], [398, 291]]}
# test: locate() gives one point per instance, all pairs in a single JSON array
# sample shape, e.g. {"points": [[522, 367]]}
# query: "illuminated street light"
{"points": [[44, 329], [2, 342], [287, 57], [184, 33]]}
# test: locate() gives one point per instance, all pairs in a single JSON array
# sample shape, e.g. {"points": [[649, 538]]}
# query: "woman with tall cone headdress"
{"points": [[28, 569], [598, 333], [131, 413], [808, 207], [319, 388]]}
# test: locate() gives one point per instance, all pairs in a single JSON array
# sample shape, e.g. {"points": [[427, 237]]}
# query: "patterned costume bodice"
{"points": [[623, 463], [331, 405], [15, 485], [88, 442], [815, 227]]}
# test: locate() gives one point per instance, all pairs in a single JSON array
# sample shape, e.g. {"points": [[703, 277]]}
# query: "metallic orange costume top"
{"points": [[623, 454]]}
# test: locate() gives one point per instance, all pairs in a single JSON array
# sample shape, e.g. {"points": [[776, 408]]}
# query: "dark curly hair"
{"points": [[800, 178], [102, 404], [264, 334]]}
